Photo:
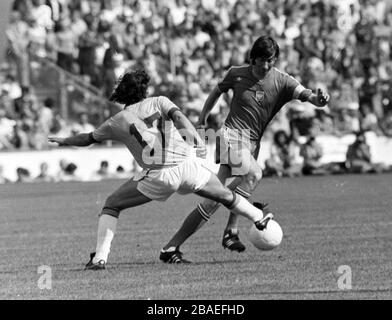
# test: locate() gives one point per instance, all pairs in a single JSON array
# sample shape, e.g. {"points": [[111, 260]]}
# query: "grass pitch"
{"points": [[327, 222]]}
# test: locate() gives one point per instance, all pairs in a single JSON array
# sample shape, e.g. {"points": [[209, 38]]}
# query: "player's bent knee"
{"points": [[231, 200], [227, 198], [112, 206]]}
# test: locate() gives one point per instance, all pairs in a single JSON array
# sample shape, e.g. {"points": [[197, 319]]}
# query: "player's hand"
{"points": [[322, 98], [201, 124], [59, 141]]}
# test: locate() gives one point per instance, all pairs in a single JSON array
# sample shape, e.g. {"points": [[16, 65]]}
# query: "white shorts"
{"points": [[236, 150], [188, 177]]}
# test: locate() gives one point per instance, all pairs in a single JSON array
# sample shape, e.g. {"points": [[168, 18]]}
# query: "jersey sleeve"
{"points": [[293, 89], [104, 131], [227, 82], [167, 107]]}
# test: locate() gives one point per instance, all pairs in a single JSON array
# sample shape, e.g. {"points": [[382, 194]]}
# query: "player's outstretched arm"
{"points": [[79, 140], [208, 105], [320, 99]]}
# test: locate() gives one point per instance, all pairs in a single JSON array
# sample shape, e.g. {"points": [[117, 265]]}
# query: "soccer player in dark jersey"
{"points": [[259, 91]]}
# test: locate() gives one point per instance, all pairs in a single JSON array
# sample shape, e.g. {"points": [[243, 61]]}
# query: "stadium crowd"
{"points": [[187, 45]]}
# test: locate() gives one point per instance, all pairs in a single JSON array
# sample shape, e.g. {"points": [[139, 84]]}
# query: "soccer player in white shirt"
{"points": [[166, 145]]}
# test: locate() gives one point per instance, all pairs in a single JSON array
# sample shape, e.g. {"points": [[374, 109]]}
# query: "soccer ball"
{"points": [[266, 239]]}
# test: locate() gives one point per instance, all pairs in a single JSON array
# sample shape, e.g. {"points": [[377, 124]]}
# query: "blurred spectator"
{"points": [[193, 116], [312, 153], [23, 175], [65, 44], [78, 25], [18, 37], [284, 158], [42, 13], [11, 87], [67, 171], [20, 138], [44, 175], [87, 45], [301, 117], [45, 114], [103, 171], [6, 130], [83, 125], [70, 173], [386, 124], [369, 121], [347, 122], [3, 179], [37, 37], [22, 104], [110, 63], [324, 122], [358, 156], [120, 173], [60, 127]]}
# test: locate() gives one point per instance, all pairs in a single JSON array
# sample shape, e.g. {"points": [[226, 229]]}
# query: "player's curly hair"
{"points": [[264, 47], [131, 87]]}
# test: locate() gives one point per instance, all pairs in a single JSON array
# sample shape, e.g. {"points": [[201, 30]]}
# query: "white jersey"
{"points": [[148, 132]]}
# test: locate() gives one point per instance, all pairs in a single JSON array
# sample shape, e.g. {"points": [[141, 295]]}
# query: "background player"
{"points": [[259, 91], [153, 130]]}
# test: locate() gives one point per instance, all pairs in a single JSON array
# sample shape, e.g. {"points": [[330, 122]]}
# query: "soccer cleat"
{"points": [[173, 257], [261, 205], [232, 242], [262, 224], [100, 265]]}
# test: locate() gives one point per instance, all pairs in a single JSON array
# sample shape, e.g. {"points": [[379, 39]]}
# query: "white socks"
{"points": [[244, 208], [106, 230]]}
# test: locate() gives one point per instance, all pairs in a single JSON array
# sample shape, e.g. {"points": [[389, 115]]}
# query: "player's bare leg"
{"points": [[127, 196], [243, 165], [245, 188], [198, 217], [216, 192]]}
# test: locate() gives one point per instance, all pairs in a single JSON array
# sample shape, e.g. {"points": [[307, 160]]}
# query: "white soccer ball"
{"points": [[267, 239]]}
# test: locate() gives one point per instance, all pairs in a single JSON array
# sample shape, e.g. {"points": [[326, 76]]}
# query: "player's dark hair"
{"points": [[131, 87], [264, 47]]}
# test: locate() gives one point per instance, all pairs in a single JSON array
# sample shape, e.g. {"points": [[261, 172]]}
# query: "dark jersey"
{"points": [[255, 102]]}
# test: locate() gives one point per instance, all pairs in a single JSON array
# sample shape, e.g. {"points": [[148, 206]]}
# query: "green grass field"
{"points": [[327, 222]]}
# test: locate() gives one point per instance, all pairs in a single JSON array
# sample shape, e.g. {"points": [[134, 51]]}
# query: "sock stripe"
{"points": [[204, 214], [242, 192], [114, 212]]}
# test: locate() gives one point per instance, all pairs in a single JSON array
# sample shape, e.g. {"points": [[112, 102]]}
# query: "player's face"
{"points": [[261, 65]]}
